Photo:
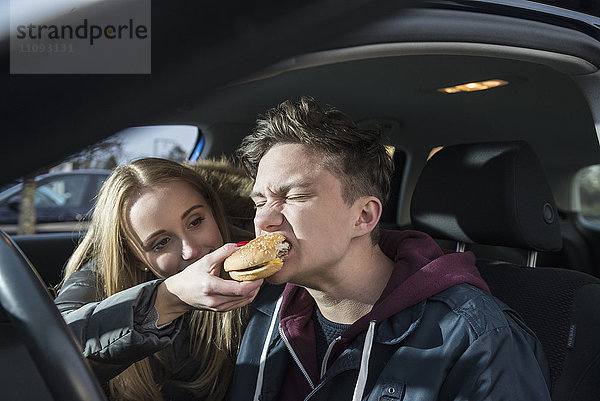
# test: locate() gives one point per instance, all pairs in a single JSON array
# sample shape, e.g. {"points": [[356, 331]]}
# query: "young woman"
{"points": [[144, 292]]}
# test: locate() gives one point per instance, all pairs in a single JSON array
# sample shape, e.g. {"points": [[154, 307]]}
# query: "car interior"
{"points": [[503, 184], [495, 171]]}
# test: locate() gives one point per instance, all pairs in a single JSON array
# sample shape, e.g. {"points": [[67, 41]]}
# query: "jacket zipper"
{"points": [[326, 357], [296, 359]]}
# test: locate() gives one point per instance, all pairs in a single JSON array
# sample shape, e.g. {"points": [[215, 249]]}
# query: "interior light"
{"points": [[474, 86]]}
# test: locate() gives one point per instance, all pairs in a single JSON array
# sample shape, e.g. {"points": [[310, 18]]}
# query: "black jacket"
{"points": [[456, 343]]}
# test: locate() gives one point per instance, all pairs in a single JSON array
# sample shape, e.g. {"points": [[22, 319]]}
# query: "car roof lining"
{"points": [[552, 102], [421, 25], [418, 50], [565, 63]]}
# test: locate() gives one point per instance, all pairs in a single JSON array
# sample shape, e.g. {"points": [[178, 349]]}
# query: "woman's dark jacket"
{"points": [[120, 330]]}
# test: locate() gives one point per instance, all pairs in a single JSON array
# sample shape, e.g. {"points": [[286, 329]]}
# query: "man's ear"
{"points": [[370, 209]]}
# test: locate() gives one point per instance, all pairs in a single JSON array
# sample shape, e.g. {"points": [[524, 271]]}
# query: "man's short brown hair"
{"points": [[357, 157]]}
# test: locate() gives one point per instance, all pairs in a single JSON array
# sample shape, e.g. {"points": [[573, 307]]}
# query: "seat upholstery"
{"points": [[501, 184], [497, 194], [562, 307]]}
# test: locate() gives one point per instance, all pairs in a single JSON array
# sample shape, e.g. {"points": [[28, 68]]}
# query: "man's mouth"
{"points": [[283, 250]]}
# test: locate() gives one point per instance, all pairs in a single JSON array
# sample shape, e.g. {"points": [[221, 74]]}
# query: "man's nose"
{"points": [[268, 218]]}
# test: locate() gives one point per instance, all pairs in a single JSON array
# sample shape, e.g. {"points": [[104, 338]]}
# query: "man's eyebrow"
{"points": [[283, 189]]}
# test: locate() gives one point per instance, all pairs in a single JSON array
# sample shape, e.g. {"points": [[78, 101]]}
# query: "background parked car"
{"points": [[62, 201]]}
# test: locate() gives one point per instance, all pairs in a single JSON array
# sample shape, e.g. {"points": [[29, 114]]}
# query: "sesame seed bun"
{"points": [[258, 259]]}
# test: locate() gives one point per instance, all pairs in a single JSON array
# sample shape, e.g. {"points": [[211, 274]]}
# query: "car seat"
{"points": [[496, 194]]}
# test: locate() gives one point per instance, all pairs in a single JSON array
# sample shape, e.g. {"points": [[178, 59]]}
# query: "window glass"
{"points": [[174, 142], [67, 191], [389, 215], [96, 185], [70, 190], [589, 193], [46, 197]]}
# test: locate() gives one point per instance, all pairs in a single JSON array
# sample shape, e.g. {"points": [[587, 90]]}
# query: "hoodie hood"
{"points": [[233, 187], [421, 270]]}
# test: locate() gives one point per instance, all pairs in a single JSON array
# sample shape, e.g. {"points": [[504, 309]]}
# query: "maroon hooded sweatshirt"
{"points": [[421, 270]]}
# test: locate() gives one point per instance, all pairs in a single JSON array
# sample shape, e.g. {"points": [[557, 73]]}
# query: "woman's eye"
{"points": [[160, 244], [196, 221]]}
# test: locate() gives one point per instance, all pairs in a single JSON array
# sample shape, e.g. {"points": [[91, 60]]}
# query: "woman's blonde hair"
{"points": [[214, 336]]}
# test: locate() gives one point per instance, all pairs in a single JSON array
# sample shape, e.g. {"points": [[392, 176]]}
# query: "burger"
{"points": [[259, 258]]}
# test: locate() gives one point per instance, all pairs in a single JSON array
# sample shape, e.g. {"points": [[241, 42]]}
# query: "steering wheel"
{"points": [[50, 342]]}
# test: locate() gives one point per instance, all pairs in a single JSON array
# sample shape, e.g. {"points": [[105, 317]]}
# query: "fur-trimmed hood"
{"points": [[233, 186]]}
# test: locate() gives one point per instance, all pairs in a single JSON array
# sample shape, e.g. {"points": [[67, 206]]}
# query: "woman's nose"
{"points": [[188, 250]]}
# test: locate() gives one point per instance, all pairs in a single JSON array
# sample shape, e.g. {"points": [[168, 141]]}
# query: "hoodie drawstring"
{"points": [[363, 373], [263, 355]]}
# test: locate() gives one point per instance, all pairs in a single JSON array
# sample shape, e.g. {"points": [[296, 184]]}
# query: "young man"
{"points": [[364, 315]]}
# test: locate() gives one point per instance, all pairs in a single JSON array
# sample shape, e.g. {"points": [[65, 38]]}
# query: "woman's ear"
{"points": [[142, 266], [138, 256], [370, 209]]}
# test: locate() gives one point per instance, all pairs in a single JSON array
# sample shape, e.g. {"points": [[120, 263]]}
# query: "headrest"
{"points": [[492, 193]]}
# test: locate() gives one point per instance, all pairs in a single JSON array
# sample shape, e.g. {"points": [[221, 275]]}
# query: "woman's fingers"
{"points": [[200, 286], [228, 295], [231, 305], [220, 286], [212, 261]]}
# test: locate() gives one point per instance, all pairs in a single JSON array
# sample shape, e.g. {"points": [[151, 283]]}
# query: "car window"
{"points": [[68, 190], [8, 195], [589, 193], [174, 142], [65, 192], [45, 196], [390, 213], [95, 187]]}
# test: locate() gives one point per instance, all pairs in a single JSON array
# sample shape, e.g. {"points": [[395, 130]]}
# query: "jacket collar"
{"points": [[389, 331]]}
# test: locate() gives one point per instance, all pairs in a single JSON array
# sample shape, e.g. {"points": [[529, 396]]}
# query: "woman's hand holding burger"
{"points": [[200, 287]]}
